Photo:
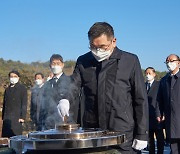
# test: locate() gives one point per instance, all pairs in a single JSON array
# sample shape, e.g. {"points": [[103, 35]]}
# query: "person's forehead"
{"points": [[149, 70], [100, 39], [56, 61], [38, 76], [172, 57], [13, 74]]}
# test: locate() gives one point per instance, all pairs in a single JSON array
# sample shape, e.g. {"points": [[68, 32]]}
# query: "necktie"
{"points": [[148, 87], [54, 81]]}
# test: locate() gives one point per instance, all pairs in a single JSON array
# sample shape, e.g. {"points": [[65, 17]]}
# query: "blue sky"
{"points": [[32, 30]]}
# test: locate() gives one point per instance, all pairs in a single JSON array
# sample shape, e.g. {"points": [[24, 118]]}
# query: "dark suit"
{"points": [[14, 108], [154, 127], [169, 104], [54, 91], [36, 100]]}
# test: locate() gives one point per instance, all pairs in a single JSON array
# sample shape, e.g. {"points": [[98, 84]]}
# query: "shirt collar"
{"points": [[58, 76], [175, 73], [116, 54], [41, 85], [151, 82]]}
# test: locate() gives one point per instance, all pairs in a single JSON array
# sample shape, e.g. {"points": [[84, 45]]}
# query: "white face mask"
{"points": [[101, 54], [171, 66], [38, 82], [56, 69], [14, 80], [149, 77]]}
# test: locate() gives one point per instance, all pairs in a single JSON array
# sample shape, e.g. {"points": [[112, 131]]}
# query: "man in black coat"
{"points": [[36, 100], [14, 106], [155, 127], [54, 90], [169, 102], [114, 90]]}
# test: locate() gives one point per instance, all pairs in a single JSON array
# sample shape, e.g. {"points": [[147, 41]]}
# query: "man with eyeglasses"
{"points": [[114, 94], [168, 101]]}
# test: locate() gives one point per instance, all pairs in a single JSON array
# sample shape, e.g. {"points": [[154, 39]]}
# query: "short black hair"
{"points": [[56, 56], [151, 69], [15, 72], [39, 73], [100, 28]]}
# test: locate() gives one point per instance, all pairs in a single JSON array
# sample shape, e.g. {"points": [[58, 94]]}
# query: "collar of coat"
{"points": [[177, 75], [116, 54], [17, 85]]}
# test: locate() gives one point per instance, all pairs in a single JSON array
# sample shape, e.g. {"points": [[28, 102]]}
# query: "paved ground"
{"points": [[166, 150], [9, 151]]}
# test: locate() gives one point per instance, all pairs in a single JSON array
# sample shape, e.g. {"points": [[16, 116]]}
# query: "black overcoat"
{"points": [[14, 108], [169, 103], [152, 95], [115, 94], [36, 100]]}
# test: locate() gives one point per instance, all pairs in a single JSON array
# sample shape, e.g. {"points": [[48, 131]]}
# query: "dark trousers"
{"points": [[160, 141], [175, 146]]}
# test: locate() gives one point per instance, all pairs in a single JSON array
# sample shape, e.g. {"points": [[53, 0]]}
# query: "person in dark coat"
{"points": [[54, 90], [155, 127], [14, 106], [169, 102], [36, 100], [114, 90]]}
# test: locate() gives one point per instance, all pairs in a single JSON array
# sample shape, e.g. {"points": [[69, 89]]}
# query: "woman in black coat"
{"points": [[14, 106]]}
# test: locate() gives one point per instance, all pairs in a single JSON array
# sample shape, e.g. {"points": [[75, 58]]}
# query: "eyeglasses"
{"points": [[101, 47], [167, 61]]}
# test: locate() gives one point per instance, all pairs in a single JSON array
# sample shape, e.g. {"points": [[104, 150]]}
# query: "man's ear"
{"points": [[114, 42]]}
